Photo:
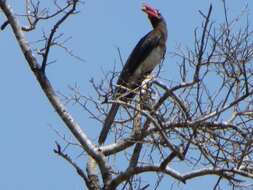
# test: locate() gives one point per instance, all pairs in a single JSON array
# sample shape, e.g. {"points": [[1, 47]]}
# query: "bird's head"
{"points": [[150, 11], [153, 14]]}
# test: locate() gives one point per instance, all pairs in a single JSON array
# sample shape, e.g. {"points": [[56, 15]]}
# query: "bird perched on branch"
{"points": [[148, 53]]}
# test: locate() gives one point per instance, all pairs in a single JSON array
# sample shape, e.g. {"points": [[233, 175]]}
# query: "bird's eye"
{"points": [[158, 12]]}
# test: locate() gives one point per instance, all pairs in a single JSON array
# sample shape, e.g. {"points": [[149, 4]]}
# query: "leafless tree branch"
{"points": [[203, 120]]}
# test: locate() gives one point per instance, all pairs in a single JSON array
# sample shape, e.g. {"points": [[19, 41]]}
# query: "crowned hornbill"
{"points": [[148, 53]]}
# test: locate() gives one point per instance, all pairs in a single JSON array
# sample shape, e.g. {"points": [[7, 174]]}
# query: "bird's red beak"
{"points": [[150, 11]]}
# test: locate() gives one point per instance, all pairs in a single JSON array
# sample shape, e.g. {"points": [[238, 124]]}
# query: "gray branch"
{"points": [[73, 126]]}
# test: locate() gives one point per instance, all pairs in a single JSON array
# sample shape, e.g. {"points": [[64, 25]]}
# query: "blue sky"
{"points": [[27, 139]]}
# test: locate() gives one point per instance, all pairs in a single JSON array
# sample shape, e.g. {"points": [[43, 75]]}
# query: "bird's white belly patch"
{"points": [[149, 63]]}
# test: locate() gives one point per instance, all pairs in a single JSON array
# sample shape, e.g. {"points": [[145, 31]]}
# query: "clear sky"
{"points": [[27, 139]]}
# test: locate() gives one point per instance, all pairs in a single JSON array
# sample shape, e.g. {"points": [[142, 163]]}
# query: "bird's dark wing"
{"points": [[141, 51]]}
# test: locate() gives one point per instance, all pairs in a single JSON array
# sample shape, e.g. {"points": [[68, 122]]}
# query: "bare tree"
{"points": [[203, 121]]}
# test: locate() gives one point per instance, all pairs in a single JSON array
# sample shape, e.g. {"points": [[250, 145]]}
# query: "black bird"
{"points": [[148, 53]]}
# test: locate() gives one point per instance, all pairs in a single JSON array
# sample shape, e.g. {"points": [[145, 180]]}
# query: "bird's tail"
{"points": [[108, 122]]}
